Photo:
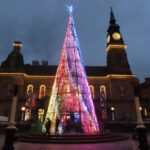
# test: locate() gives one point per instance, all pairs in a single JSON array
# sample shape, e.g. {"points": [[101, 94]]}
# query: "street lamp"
{"points": [[140, 108], [112, 108], [23, 111], [113, 113]]}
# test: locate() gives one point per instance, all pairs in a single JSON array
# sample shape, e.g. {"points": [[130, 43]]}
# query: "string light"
{"points": [[71, 93]]}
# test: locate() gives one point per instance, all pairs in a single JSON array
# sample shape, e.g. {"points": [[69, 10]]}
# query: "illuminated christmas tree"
{"points": [[71, 98]]}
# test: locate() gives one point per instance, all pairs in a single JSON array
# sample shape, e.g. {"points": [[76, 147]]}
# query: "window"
{"points": [[27, 114], [29, 89], [103, 101], [92, 90], [42, 91], [66, 89], [103, 92], [78, 91], [41, 115]]}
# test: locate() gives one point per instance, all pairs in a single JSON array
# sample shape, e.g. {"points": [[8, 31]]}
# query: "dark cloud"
{"points": [[41, 26]]}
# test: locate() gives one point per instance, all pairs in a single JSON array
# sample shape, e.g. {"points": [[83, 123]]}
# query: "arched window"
{"points": [[103, 101], [103, 91], [42, 91], [92, 90], [29, 89], [66, 89], [79, 92]]}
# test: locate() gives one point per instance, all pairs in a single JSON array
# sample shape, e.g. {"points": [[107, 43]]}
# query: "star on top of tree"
{"points": [[69, 8]]}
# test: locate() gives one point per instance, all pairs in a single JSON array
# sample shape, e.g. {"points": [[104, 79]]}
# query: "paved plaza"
{"points": [[129, 144], [123, 145]]}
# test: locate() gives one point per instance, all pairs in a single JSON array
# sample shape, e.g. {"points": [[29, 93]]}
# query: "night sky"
{"points": [[41, 26]]}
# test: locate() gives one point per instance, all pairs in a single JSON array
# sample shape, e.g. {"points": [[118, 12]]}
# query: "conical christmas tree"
{"points": [[71, 99]]}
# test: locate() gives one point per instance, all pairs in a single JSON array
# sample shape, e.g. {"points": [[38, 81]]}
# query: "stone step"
{"points": [[72, 139]]}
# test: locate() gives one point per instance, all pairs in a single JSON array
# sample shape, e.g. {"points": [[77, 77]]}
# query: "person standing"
{"points": [[57, 124], [47, 127]]}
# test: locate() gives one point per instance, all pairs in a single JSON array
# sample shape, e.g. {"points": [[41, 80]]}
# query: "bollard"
{"points": [[142, 138], [9, 139]]}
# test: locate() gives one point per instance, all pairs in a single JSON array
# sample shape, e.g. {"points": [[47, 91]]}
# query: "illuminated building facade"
{"points": [[111, 86]]}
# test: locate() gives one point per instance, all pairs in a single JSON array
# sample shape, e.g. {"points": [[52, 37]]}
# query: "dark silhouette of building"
{"points": [[15, 58]]}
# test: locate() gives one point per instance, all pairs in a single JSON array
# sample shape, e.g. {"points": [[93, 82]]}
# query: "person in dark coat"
{"points": [[47, 127], [57, 124]]}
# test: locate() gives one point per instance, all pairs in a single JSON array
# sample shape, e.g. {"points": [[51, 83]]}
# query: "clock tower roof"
{"points": [[112, 22], [113, 33], [112, 17]]}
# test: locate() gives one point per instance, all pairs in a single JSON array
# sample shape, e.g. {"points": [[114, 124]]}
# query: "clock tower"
{"points": [[117, 61]]}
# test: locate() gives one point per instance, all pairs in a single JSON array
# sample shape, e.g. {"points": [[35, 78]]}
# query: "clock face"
{"points": [[108, 38], [116, 36]]}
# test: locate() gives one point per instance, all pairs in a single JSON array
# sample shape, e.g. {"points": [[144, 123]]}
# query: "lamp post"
{"points": [[11, 128], [140, 128], [113, 113], [23, 113]]}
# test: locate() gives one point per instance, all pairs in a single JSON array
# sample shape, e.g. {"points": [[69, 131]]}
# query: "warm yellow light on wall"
{"points": [[25, 75], [145, 112], [92, 91], [42, 91], [38, 76], [115, 76], [89, 77], [30, 89], [17, 45], [112, 46], [103, 90]]}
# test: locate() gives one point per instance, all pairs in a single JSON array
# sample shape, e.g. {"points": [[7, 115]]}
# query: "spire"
{"points": [[113, 26], [71, 96], [112, 17]]}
